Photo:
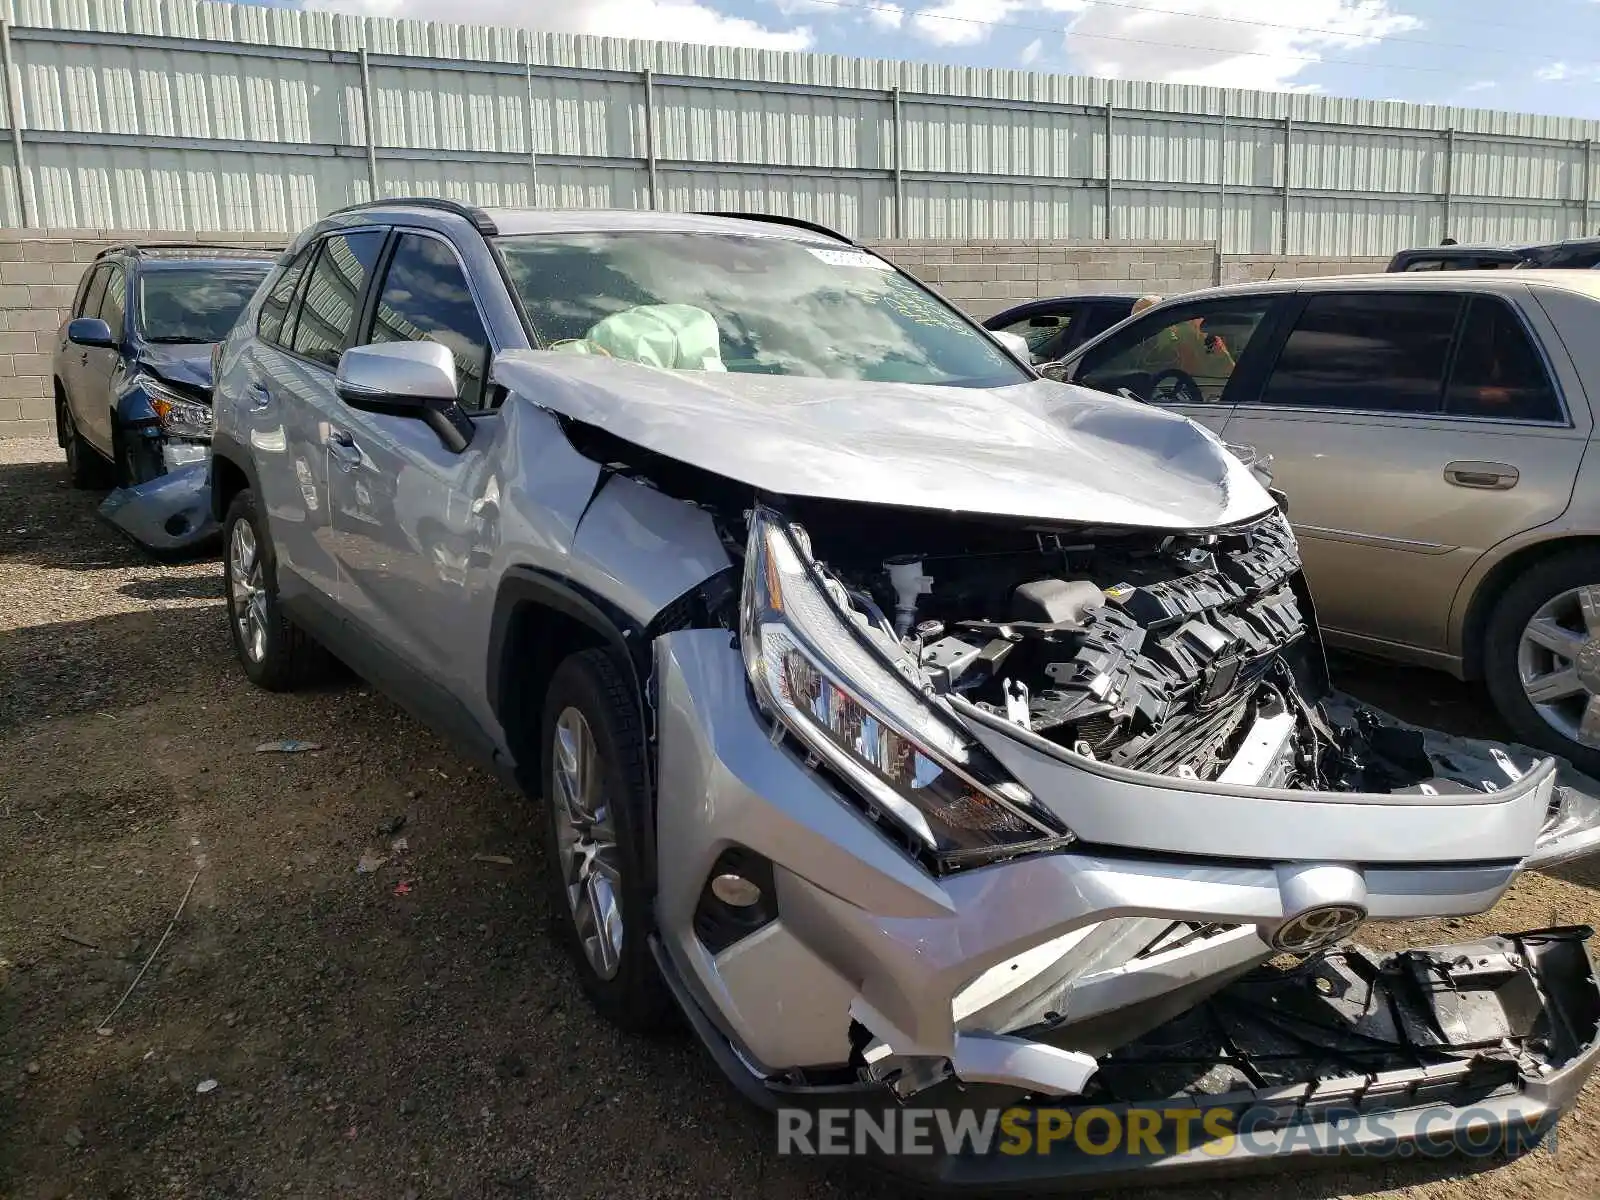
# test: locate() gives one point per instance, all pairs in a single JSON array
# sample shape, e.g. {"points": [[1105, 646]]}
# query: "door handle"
{"points": [[1485, 476], [344, 449], [259, 397]]}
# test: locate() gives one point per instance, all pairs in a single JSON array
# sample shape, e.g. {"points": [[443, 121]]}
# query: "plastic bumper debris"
{"points": [[171, 514]]}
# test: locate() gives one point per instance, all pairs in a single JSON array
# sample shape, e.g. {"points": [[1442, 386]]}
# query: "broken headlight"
{"points": [[178, 415], [872, 725]]}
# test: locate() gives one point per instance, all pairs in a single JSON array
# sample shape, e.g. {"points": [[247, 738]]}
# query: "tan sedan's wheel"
{"points": [[1558, 663], [1542, 656]]}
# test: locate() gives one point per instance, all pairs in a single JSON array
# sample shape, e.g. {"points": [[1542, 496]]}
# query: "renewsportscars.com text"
{"points": [[1157, 1132]]}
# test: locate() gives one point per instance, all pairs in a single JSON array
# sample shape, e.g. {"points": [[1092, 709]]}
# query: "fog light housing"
{"points": [[738, 898]]}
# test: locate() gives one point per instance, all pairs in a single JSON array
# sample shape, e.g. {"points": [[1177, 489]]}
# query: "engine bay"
{"points": [[1183, 655]]}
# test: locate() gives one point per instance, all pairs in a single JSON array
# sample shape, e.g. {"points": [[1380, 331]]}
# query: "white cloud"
{"points": [[886, 16], [1482, 85], [960, 22], [1230, 53], [1030, 52], [1554, 73], [667, 20], [1179, 43]]}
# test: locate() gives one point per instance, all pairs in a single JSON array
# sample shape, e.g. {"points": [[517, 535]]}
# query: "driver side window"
{"points": [[1184, 355]]}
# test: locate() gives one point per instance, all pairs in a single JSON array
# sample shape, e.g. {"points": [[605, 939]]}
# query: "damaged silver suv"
{"points": [[919, 729]]}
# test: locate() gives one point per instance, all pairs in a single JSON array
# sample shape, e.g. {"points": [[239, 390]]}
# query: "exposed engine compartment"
{"points": [[1184, 655]]}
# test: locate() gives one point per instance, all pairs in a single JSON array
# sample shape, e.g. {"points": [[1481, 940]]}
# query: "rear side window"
{"points": [[1498, 370], [275, 307], [94, 294], [1577, 260], [1102, 317], [425, 298], [114, 308], [1425, 264], [327, 314], [1367, 351]]}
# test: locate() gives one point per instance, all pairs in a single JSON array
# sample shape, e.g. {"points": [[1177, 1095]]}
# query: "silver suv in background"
{"points": [[908, 723]]}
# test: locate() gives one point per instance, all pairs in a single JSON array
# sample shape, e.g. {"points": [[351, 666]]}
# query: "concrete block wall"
{"points": [[1255, 268], [40, 270], [984, 277], [39, 274]]}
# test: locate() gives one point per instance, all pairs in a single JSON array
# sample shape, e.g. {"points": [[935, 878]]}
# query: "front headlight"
{"points": [[179, 416], [871, 723]]}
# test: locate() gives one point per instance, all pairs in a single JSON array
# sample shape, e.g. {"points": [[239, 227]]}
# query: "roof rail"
{"points": [[480, 219], [775, 219], [141, 247]]}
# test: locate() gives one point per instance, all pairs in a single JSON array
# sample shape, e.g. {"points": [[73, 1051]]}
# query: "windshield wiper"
{"points": [[175, 339]]}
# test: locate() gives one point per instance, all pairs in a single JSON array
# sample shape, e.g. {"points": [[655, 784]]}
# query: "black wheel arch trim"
{"points": [[625, 637], [229, 450]]}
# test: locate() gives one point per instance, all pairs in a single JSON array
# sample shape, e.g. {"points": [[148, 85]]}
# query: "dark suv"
{"points": [[133, 366], [1579, 254]]}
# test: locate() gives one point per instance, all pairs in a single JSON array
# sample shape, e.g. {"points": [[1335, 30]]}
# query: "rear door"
{"points": [[307, 320], [1411, 430], [1191, 357]]}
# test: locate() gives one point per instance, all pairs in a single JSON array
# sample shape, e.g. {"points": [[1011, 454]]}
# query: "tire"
{"points": [[275, 653], [86, 469], [1550, 582], [590, 701]]}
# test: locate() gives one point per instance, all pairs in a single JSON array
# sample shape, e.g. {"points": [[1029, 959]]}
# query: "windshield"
{"points": [[763, 305], [195, 304]]}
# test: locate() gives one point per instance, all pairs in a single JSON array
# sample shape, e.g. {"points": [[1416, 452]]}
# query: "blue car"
{"points": [[132, 369]]}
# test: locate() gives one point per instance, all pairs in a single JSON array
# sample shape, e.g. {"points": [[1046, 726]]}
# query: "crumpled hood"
{"points": [[188, 363], [1039, 450]]}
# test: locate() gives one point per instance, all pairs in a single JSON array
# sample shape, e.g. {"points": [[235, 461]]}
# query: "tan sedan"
{"points": [[1430, 432]]}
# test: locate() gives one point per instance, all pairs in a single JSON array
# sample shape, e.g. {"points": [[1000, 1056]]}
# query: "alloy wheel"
{"points": [[248, 589], [1558, 663], [586, 839]]}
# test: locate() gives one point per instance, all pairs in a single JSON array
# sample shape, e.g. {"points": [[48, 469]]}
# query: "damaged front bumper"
{"points": [[1474, 1049], [861, 979], [168, 515]]}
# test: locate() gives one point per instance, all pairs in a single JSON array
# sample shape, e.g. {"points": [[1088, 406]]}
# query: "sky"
{"points": [[1473, 53]]}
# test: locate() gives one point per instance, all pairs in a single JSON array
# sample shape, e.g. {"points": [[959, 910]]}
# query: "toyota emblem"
{"points": [[1318, 927]]}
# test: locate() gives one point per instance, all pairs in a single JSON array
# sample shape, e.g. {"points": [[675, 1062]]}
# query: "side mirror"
{"points": [[90, 331], [1058, 371], [406, 379]]}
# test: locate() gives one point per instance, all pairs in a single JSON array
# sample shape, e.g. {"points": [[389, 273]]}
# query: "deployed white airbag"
{"points": [[676, 337]]}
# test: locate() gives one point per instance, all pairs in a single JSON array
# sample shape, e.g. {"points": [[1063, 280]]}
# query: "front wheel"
{"points": [[1542, 657], [597, 801]]}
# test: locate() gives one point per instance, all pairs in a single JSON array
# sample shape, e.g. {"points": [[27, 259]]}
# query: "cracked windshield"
{"points": [[756, 305]]}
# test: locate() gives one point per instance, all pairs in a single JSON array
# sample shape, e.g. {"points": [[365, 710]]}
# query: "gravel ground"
{"points": [[412, 1032]]}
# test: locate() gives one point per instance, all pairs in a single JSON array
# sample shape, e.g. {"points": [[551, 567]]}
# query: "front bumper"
{"points": [[167, 515], [1271, 1069], [874, 978]]}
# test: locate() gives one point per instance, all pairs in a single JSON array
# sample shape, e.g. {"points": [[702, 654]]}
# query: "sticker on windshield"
{"points": [[849, 258]]}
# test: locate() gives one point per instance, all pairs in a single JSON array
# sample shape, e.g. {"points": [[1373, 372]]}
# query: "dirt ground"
{"points": [[409, 1032]]}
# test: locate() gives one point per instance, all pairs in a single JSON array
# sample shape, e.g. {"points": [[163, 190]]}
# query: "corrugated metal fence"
{"points": [[142, 113]]}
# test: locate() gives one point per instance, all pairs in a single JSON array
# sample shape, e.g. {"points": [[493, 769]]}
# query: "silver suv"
{"points": [[907, 722]]}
